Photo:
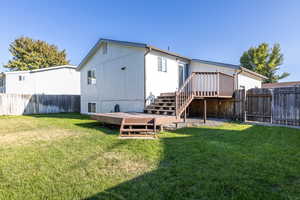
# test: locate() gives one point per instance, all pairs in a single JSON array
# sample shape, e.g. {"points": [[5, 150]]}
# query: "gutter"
{"points": [[145, 76]]}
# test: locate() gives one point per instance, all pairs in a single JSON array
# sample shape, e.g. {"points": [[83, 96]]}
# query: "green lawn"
{"points": [[68, 156]]}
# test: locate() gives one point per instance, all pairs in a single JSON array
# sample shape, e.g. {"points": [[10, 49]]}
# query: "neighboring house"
{"points": [[59, 80], [128, 75], [281, 84]]}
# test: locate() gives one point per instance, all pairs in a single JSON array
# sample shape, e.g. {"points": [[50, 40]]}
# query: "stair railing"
{"points": [[184, 95], [203, 85]]}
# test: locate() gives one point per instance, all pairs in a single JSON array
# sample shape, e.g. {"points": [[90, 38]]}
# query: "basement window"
{"points": [[162, 64], [91, 77], [91, 107]]}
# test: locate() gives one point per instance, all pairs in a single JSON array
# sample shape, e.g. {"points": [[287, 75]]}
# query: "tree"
{"points": [[265, 61], [31, 54]]}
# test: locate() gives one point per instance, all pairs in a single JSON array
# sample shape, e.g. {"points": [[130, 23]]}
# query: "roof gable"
{"points": [[100, 42]]}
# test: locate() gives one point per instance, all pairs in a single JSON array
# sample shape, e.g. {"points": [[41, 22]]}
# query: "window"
{"points": [[92, 107], [91, 77], [21, 78], [104, 48], [1, 82], [162, 64]]}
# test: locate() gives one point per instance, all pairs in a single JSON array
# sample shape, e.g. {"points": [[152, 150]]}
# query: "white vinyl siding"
{"points": [[59, 81], [158, 82], [120, 80], [104, 49]]}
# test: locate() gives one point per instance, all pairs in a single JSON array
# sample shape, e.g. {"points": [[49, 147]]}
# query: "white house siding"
{"points": [[114, 85], [248, 82], [158, 82], [61, 81]]}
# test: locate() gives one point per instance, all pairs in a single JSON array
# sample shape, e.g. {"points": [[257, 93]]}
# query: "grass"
{"points": [[68, 156]]}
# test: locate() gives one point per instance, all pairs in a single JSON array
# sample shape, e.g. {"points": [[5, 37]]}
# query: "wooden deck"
{"points": [[136, 124]]}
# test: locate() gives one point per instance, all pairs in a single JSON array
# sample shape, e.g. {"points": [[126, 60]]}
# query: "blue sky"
{"points": [[218, 30]]}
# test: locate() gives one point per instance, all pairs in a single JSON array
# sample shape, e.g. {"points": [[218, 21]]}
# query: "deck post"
{"points": [[154, 125], [204, 111], [184, 115]]}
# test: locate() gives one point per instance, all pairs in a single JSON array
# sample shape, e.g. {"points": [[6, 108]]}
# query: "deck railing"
{"points": [[203, 84]]}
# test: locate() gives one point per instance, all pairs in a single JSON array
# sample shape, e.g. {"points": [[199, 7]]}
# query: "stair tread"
{"points": [[138, 124], [165, 100], [137, 130], [151, 109], [155, 105]]}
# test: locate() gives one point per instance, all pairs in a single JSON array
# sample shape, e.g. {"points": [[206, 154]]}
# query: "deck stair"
{"points": [[197, 85], [139, 127], [162, 105]]}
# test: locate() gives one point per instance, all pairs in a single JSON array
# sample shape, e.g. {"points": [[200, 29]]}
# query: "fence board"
{"points": [[258, 105], [278, 106], [286, 106], [19, 104], [239, 104]]}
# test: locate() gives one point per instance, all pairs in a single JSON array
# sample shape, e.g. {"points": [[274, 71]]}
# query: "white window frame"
{"points": [[2, 82], [91, 80], [162, 64], [90, 112], [21, 78]]}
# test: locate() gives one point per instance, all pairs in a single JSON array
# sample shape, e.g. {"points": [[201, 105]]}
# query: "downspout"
{"points": [[238, 71], [145, 75]]}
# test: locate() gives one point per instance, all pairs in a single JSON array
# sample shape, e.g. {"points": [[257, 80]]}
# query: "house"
{"points": [[59, 80], [281, 84], [130, 77]]}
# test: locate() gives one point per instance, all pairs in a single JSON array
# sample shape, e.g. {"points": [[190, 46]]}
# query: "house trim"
{"points": [[41, 69]]}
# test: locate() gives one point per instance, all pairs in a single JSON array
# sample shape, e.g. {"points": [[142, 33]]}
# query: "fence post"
{"points": [[245, 104], [272, 106]]}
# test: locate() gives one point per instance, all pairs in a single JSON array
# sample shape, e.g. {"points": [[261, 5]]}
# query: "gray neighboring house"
{"points": [[58, 80]]}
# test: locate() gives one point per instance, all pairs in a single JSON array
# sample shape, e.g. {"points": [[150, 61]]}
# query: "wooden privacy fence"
{"points": [[277, 106], [258, 105], [19, 104], [286, 106]]}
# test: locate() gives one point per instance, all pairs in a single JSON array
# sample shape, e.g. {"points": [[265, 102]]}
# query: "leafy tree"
{"points": [[265, 61], [31, 54]]}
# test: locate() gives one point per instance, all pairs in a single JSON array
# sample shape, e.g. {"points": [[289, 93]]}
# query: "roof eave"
{"points": [[217, 63], [168, 52], [253, 73]]}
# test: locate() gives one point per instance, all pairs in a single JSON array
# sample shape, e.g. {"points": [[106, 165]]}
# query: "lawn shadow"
{"points": [[94, 125], [100, 127], [206, 163]]}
